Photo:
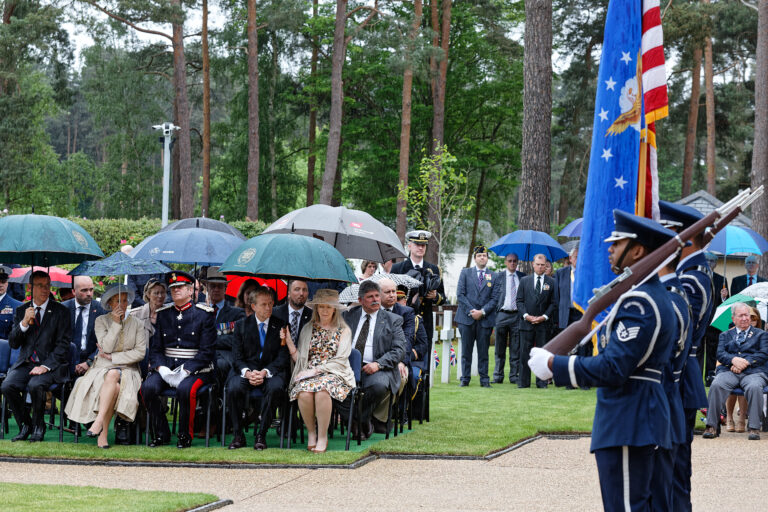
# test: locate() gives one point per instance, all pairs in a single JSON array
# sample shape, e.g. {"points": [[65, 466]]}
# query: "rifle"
{"points": [[644, 269]]}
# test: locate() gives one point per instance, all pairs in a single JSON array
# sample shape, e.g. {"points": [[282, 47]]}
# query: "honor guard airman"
{"points": [[8, 304], [635, 346], [181, 355]]}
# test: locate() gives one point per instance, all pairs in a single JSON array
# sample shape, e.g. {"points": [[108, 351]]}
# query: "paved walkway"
{"points": [[548, 474]]}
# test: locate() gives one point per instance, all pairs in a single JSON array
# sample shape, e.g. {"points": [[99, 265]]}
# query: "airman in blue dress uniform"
{"points": [[185, 335], [8, 304], [635, 345], [696, 277]]}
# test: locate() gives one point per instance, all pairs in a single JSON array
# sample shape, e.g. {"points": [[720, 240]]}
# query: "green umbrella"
{"points": [[288, 256], [722, 318], [45, 241]]}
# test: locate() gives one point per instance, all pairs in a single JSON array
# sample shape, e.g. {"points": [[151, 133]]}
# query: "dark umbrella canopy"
{"points": [[190, 245], [288, 256], [205, 223], [43, 240], [355, 233], [119, 264], [527, 244]]}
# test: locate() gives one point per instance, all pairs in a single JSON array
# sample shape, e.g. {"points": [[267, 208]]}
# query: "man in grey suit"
{"points": [[507, 320], [537, 299], [743, 352], [378, 335], [476, 315]]}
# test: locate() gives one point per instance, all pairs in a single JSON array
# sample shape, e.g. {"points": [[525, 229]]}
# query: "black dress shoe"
{"points": [[237, 442], [485, 385], [513, 380], [754, 434], [498, 381], [105, 447], [380, 427], [38, 434], [260, 443], [184, 441], [368, 432], [463, 384], [158, 441], [23, 434]]}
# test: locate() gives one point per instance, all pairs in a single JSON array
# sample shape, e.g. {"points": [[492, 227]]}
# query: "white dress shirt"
{"points": [[85, 314], [368, 355], [42, 307]]}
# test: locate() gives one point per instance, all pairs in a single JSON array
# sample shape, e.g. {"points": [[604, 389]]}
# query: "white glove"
{"points": [[539, 363], [164, 372], [177, 376]]}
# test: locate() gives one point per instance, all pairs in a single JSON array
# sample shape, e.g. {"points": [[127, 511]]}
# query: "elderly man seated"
{"points": [[743, 352]]}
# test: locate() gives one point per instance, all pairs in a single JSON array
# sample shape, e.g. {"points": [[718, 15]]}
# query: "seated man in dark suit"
{"points": [[83, 314], [537, 300], [42, 331], [8, 304], [261, 361], [743, 352], [294, 313], [226, 316], [378, 336], [738, 283]]}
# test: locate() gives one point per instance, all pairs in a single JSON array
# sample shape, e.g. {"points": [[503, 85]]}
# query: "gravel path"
{"points": [[548, 474]]}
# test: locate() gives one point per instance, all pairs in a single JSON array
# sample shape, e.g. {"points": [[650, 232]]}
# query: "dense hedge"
{"points": [[111, 234]]}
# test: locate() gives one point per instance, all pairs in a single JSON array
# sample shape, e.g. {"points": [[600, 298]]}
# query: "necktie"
{"points": [[262, 332], [511, 299], [363, 336], [216, 310], [418, 267], [79, 327], [740, 337], [294, 325], [37, 318], [480, 276], [749, 280], [538, 285]]}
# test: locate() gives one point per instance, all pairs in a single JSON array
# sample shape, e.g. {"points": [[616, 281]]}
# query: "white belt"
{"points": [[181, 353]]}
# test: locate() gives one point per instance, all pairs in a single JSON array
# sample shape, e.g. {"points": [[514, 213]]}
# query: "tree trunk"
{"points": [[205, 206], [175, 191], [693, 120], [710, 94], [760, 146], [336, 198], [337, 97], [272, 137], [186, 181], [405, 124], [478, 204], [252, 211], [535, 181], [312, 114]]}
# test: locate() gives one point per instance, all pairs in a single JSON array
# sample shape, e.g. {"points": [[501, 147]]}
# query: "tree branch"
{"points": [[159, 73], [373, 12], [125, 21], [751, 6], [665, 10]]}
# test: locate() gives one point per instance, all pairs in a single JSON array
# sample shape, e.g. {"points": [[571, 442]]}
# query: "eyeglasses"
{"points": [[753, 318]]}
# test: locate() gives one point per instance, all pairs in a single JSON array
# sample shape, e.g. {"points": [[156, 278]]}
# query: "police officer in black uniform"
{"points": [[181, 355]]}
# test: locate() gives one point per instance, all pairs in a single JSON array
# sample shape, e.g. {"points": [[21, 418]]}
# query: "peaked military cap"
{"points": [[178, 278], [648, 233], [5, 273], [678, 215], [418, 236]]}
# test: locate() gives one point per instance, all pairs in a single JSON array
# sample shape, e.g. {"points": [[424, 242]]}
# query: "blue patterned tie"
{"points": [[480, 275], [740, 337], [262, 333]]}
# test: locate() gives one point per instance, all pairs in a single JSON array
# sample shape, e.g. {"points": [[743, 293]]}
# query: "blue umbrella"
{"points": [[733, 239], [573, 229], [285, 255], [119, 264], [190, 245], [527, 244], [205, 223]]}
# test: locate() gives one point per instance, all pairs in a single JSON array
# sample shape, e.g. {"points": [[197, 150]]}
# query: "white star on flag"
{"points": [[620, 182], [625, 57], [610, 83], [603, 115], [607, 154]]}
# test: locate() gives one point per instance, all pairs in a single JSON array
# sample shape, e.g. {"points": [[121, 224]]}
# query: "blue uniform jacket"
{"points": [[193, 328], [635, 346], [754, 349], [674, 370], [7, 309], [696, 277], [473, 295]]}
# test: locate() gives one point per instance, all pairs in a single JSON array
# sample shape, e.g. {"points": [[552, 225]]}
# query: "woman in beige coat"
{"points": [[112, 383], [322, 370]]}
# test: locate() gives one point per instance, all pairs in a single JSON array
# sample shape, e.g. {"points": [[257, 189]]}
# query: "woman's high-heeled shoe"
{"points": [[88, 433], [314, 450], [311, 447], [105, 447]]}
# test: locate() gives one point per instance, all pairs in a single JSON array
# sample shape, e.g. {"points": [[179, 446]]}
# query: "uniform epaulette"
{"points": [[204, 307], [165, 306]]}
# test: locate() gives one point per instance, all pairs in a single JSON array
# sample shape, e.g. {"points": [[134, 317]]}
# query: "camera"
{"points": [[167, 128]]}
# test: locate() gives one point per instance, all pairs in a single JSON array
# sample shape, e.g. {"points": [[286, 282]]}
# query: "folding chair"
{"points": [[171, 393], [254, 394]]}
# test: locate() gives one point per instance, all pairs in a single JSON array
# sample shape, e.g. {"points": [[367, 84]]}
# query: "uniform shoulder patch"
{"points": [[626, 333], [165, 306], [204, 307], [634, 304]]}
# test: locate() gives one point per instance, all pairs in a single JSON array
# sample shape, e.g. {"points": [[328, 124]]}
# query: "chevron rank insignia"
{"points": [[626, 333]]}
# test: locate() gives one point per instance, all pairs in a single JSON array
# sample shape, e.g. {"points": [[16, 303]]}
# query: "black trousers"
{"points": [[507, 335], [186, 396], [374, 388], [471, 334], [537, 337], [711, 339], [238, 389], [15, 387]]}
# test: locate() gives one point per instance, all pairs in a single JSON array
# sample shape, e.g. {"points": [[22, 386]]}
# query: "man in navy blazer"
{"points": [[83, 311], [8, 304], [743, 353], [506, 283], [751, 265], [476, 315]]}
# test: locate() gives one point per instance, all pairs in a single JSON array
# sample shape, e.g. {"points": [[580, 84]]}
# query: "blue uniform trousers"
{"points": [[470, 334], [661, 481], [681, 492], [625, 477]]}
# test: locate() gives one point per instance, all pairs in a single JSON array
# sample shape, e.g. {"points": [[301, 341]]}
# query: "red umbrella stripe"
{"points": [[235, 282]]}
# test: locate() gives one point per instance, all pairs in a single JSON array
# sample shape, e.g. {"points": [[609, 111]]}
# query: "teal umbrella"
{"points": [[119, 264], [287, 256], [44, 241], [722, 317]]}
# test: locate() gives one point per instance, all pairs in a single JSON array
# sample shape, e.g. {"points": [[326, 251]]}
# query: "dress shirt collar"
{"points": [[421, 263], [265, 322], [291, 309], [42, 306], [2, 297], [667, 277]]}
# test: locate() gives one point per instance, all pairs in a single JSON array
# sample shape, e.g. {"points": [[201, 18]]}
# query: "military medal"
{"points": [[179, 317]]}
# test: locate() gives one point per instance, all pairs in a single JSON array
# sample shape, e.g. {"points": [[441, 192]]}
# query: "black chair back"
{"points": [[5, 356], [356, 362]]}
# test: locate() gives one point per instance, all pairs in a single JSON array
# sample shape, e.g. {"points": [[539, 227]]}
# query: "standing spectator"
{"points": [[42, 331], [537, 300], [566, 311], [295, 313], [368, 268], [243, 295], [507, 320], [712, 335], [226, 316], [386, 267], [424, 301], [548, 270], [476, 315], [83, 314], [751, 265], [8, 304]]}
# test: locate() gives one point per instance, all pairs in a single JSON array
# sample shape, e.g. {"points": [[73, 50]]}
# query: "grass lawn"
{"points": [[17, 497], [464, 421]]}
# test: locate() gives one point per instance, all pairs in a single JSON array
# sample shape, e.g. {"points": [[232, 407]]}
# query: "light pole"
{"points": [[168, 129]]}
